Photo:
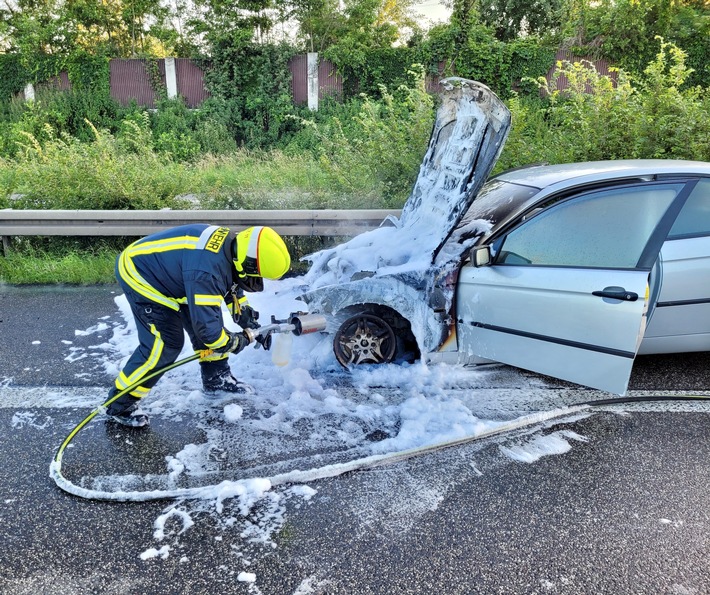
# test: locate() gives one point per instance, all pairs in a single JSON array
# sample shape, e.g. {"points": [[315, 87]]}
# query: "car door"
{"points": [[681, 320], [566, 293]]}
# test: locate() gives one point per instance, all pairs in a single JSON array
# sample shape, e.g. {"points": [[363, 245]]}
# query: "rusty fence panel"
{"points": [[131, 80], [330, 83], [601, 66], [298, 65], [190, 82]]}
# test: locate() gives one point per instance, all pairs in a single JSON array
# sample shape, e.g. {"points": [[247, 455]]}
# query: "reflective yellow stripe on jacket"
{"points": [[207, 300], [212, 301], [130, 275], [221, 342]]}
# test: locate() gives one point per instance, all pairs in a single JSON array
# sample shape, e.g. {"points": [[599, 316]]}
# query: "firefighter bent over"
{"points": [[176, 281]]}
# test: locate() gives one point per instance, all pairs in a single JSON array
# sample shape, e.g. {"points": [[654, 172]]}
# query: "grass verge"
{"points": [[29, 266]]}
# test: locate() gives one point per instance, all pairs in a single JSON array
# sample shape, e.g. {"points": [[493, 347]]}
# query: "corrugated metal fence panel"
{"points": [[298, 65], [59, 82], [601, 66], [329, 81], [130, 81], [190, 82], [431, 81]]}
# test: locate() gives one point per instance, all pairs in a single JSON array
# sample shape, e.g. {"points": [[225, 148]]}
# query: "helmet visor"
{"points": [[250, 284]]}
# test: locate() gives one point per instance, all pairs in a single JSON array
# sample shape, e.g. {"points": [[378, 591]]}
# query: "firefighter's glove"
{"points": [[236, 342], [247, 318], [265, 341]]}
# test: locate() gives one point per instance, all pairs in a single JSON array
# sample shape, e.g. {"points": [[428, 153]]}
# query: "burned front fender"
{"points": [[429, 326]]}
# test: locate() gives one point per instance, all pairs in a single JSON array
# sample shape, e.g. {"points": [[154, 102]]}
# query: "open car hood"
{"points": [[471, 126]]}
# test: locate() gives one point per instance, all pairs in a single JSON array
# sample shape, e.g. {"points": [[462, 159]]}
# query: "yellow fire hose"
{"points": [[299, 323], [57, 461]]}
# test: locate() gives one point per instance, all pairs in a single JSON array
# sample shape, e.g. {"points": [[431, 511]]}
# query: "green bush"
{"points": [[62, 112], [14, 76], [659, 116], [253, 84], [591, 119], [213, 137], [530, 137], [104, 174], [672, 119]]}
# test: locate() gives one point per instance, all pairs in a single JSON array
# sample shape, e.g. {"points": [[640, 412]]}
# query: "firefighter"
{"points": [[175, 281]]}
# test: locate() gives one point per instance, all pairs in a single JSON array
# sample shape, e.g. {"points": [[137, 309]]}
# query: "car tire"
{"points": [[365, 339]]}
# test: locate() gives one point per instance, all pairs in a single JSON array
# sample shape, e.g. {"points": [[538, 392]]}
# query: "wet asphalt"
{"points": [[625, 510]]}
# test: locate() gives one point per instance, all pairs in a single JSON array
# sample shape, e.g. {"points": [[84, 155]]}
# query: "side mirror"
{"points": [[482, 256]]}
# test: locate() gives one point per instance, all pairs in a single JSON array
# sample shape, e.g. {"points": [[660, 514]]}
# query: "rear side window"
{"points": [[694, 218], [605, 229]]}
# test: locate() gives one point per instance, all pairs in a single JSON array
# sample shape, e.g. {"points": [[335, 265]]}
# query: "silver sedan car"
{"points": [[566, 270]]}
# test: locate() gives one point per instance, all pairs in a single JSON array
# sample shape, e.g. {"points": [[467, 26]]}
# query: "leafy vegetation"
{"points": [[28, 263], [600, 118], [248, 146]]}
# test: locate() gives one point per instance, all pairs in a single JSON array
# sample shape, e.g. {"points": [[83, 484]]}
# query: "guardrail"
{"points": [[326, 222]]}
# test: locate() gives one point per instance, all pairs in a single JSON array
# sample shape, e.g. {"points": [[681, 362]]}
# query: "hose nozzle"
{"points": [[307, 323], [298, 323]]}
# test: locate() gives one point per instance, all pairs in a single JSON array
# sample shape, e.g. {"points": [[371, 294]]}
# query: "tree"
{"points": [[369, 25], [626, 31], [222, 19], [512, 18], [319, 22], [463, 17], [116, 28], [30, 26]]}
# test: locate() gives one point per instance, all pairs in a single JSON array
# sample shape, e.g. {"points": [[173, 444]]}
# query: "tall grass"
{"points": [[29, 265], [371, 163], [261, 180], [108, 173]]}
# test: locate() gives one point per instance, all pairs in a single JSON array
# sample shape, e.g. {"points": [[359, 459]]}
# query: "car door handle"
{"points": [[617, 293]]}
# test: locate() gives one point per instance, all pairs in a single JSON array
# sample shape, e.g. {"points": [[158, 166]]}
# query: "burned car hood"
{"points": [[471, 126], [418, 252]]}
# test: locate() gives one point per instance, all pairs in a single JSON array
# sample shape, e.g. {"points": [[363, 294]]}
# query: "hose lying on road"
{"points": [[334, 470], [55, 469], [298, 323]]}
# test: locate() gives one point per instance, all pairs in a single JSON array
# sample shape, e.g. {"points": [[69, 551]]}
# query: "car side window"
{"points": [[607, 229], [694, 218]]}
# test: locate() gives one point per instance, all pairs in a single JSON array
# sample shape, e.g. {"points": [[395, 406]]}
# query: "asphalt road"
{"points": [[624, 510]]}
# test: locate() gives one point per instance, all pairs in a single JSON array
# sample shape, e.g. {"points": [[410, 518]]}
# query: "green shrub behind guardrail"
{"points": [[109, 173]]}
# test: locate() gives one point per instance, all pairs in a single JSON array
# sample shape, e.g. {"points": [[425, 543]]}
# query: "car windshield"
{"points": [[496, 200]]}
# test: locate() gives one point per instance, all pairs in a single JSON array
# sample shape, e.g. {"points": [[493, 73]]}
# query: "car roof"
{"points": [[542, 176]]}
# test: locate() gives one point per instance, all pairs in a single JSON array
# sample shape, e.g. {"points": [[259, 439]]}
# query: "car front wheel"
{"points": [[363, 339]]}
